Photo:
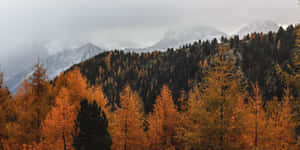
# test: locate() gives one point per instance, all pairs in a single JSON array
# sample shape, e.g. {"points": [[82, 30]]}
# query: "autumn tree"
{"points": [[189, 129], [33, 100], [127, 127], [216, 108], [257, 135], [162, 122], [4, 102], [92, 126], [41, 89], [95, 93], [182, 101], [281, 125], [8, 115], [292, 79], [58, 129], [75, 83]]}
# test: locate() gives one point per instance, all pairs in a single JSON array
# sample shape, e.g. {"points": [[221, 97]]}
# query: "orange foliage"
{"points": [[256, 122], [281, 125], [96, 94], [75, 83], [58, 128], [127, 128], [33, 101], [162, 122]]}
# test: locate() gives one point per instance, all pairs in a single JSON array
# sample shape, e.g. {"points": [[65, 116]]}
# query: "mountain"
{"points": [[178, 37], [257, 26], [173, 38], [55, 64], [59, 62]]}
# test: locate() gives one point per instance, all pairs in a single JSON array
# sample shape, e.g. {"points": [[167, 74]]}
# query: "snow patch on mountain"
{"points": [[256, 26], [178, 37]]}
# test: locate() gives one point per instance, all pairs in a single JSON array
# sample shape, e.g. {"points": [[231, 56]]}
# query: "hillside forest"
{"points": [[227, 94]]}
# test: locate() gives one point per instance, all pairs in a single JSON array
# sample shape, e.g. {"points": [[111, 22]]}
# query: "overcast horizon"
{"points": [[31, 27]]}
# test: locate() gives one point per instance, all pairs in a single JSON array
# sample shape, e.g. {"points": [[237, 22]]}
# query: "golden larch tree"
{"points": [[75, 83], [163, 122], [217, 109], [95, 93], [188, 131], [127, 124], [281, 125], [33, 102], [292, 79], [257, 135], [4, 102], [58, 128]]}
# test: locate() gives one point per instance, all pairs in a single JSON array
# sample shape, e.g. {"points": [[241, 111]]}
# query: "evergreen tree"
{"points": [[92, 126]]}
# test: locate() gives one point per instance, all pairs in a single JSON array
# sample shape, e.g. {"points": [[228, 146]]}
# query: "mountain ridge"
{"points": [[174, 38]]}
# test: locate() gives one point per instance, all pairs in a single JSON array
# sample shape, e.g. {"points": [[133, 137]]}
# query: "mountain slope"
{"points": [[63, 60], [55, 64]]}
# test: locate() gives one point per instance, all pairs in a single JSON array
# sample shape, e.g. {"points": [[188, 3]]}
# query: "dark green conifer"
{"points": [[91, 125]]}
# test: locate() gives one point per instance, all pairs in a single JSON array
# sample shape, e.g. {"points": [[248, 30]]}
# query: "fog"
{"points": [[31, 28]]}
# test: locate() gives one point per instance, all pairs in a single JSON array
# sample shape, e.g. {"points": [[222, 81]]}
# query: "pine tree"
{"points": [[58, 128], [92, 126], [127, 127], [163, 122]]}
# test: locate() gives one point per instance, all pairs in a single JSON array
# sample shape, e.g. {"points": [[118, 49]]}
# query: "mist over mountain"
{"points": [[173, 38]]}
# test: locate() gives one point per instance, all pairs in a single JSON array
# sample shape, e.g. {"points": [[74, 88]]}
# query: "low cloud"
{"points": [[28, 26]]}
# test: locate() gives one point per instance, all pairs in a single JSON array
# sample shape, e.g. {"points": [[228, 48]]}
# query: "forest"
{"points": [[227, 94]]}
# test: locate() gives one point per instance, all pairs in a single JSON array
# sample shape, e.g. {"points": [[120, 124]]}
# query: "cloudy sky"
{"points": [[28, 27]]}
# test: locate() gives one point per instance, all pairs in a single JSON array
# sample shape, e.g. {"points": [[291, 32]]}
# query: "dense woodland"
{"points": [[230, 94], [256, 57]]}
